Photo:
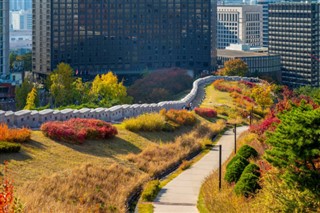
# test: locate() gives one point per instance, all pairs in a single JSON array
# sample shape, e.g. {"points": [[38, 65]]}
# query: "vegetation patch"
{"points": [[7, 147], [14, 135], [247, 152], [150, 191], [145, 122], [78, 130], [206, 112], [180, 117], [235, 170], [248, 182]]}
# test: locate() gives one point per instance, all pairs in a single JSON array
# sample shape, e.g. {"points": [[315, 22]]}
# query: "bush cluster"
{"points": [[150, 191], [78, 130], [181, 117], [239, 162], [206, 112], [14, 135], [145, 122], [248, 182], [219, 85], [7, 147]]}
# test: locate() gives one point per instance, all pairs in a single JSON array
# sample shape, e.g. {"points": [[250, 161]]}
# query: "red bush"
{"points": [[248, 83], [269, 123], [6, 193], [14, 135], [206, 112], [218, 84], [78, 130]]}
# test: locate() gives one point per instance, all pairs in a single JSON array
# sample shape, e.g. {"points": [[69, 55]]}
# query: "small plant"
{"points": [[145, 122], [247, 151], [235, 170], [150, 191], [248, 182], [181, 117], [206, 112], [7, 147], [14, 135], [78, 130], [185, 165]]}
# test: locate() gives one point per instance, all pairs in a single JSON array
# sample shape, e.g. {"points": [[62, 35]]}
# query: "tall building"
{"points": [[265, 14], [16, 5], [21, 20], [240, 24], [124, 36], [4, 38], [294, 34]]}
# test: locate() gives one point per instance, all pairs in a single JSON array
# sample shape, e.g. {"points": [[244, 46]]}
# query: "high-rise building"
{"points": [[265, 14], [294, 34], [4, 38], [21, 20], [124, 36], [239, 24], [16, 5]]}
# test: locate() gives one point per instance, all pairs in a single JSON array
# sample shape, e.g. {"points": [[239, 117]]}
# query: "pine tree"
{"points": [[296, 147]]}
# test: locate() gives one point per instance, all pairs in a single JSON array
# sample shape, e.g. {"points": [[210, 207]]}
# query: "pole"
{"points": [[251, 116], [220, 162], [235, 138]]}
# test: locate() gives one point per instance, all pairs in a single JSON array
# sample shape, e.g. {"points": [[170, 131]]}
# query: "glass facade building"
{"points": [[4, 38], [125, 36], [294, 35]]}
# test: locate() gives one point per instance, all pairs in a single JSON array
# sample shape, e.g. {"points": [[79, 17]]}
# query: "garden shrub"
{"points": [[247, 184], [181, 117], [14, 135], [206, 112], [252, 169], [7, 147], [247, 151], [235, 158], [77, 130], [235, 170], [150, 191], [145, 122], [170, 126]]}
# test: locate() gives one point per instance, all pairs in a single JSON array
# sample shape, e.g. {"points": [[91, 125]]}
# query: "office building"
{"points": [[259, 64], [16, 5], [124, 36], [21, 20], [265, 15], [239, 24], [294, 35], [4, 38]]}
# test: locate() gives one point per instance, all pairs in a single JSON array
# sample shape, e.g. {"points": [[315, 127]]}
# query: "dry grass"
{"points": [[157, 158], [215, 97], [90, 188]]}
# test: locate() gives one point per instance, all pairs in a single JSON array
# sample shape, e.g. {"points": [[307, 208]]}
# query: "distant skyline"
{"points": [[15, 5]]}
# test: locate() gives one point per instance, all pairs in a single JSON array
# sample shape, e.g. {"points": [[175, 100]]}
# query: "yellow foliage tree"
{"points": [[108, 91], [31, 99], [262, 94], [234, 67]]}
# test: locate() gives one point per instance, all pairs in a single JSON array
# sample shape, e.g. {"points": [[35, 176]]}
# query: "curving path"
{"points": [[181, 194]]}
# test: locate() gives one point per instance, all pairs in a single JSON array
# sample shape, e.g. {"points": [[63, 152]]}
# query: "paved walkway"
{"points": [[181, 194]]}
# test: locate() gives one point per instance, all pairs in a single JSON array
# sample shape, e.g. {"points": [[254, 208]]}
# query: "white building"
{"points": [[239, 24], [21, 20], [21, 40]]}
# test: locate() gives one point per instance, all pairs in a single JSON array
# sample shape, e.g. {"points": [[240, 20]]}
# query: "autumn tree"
{"points": [[295, 147], [21, 93], [80, 91], [32, 99], [107, 91], [234, 67], [61, 84], [262, 95]]}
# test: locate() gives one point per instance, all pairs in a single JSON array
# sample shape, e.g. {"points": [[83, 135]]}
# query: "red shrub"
{"points": [[248, 83], [269, 123], [206, 112], [78, 130], [6, 193], [218, 84]]}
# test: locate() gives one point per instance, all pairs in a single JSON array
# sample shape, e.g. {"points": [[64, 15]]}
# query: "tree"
{"points": [[12, 58], [234, 67], [312, 92], [262, 95], [61, 84], [27, 59], [21, 93], [296, 147], [80, 91], [107, 91], [32, 99]]}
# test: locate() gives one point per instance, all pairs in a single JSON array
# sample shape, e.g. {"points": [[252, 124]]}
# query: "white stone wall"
{"points": [[34, 119]]}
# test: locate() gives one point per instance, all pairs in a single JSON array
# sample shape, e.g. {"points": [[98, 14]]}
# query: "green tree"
{"points": [[12, 58], [32, 99], [234, 67], [61, 84], [107, 91], [296, 147], [27, 59], [80, 91], [21, 93], [312, 92]]}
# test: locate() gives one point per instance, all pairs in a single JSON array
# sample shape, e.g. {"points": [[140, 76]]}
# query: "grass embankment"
{"points": [[53, 176]]}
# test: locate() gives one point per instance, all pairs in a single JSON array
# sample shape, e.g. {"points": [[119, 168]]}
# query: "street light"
{"points": [[235, 138], [220, 165]]}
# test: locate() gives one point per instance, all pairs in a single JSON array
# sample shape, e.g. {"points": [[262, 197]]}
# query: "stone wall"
{"points": [[34, 119]]}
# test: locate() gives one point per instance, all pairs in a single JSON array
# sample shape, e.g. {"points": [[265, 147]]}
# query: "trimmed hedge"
{"points": [[248, 182], [235, 170], [150, 191], [7, 147], [247, 151]]}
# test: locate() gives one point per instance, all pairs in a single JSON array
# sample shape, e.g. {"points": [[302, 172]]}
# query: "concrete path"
{"points": [[181, 194]]}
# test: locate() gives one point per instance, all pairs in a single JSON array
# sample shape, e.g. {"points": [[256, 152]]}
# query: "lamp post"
{"points": [[251, 113], [235, 138], [220, 162]]}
